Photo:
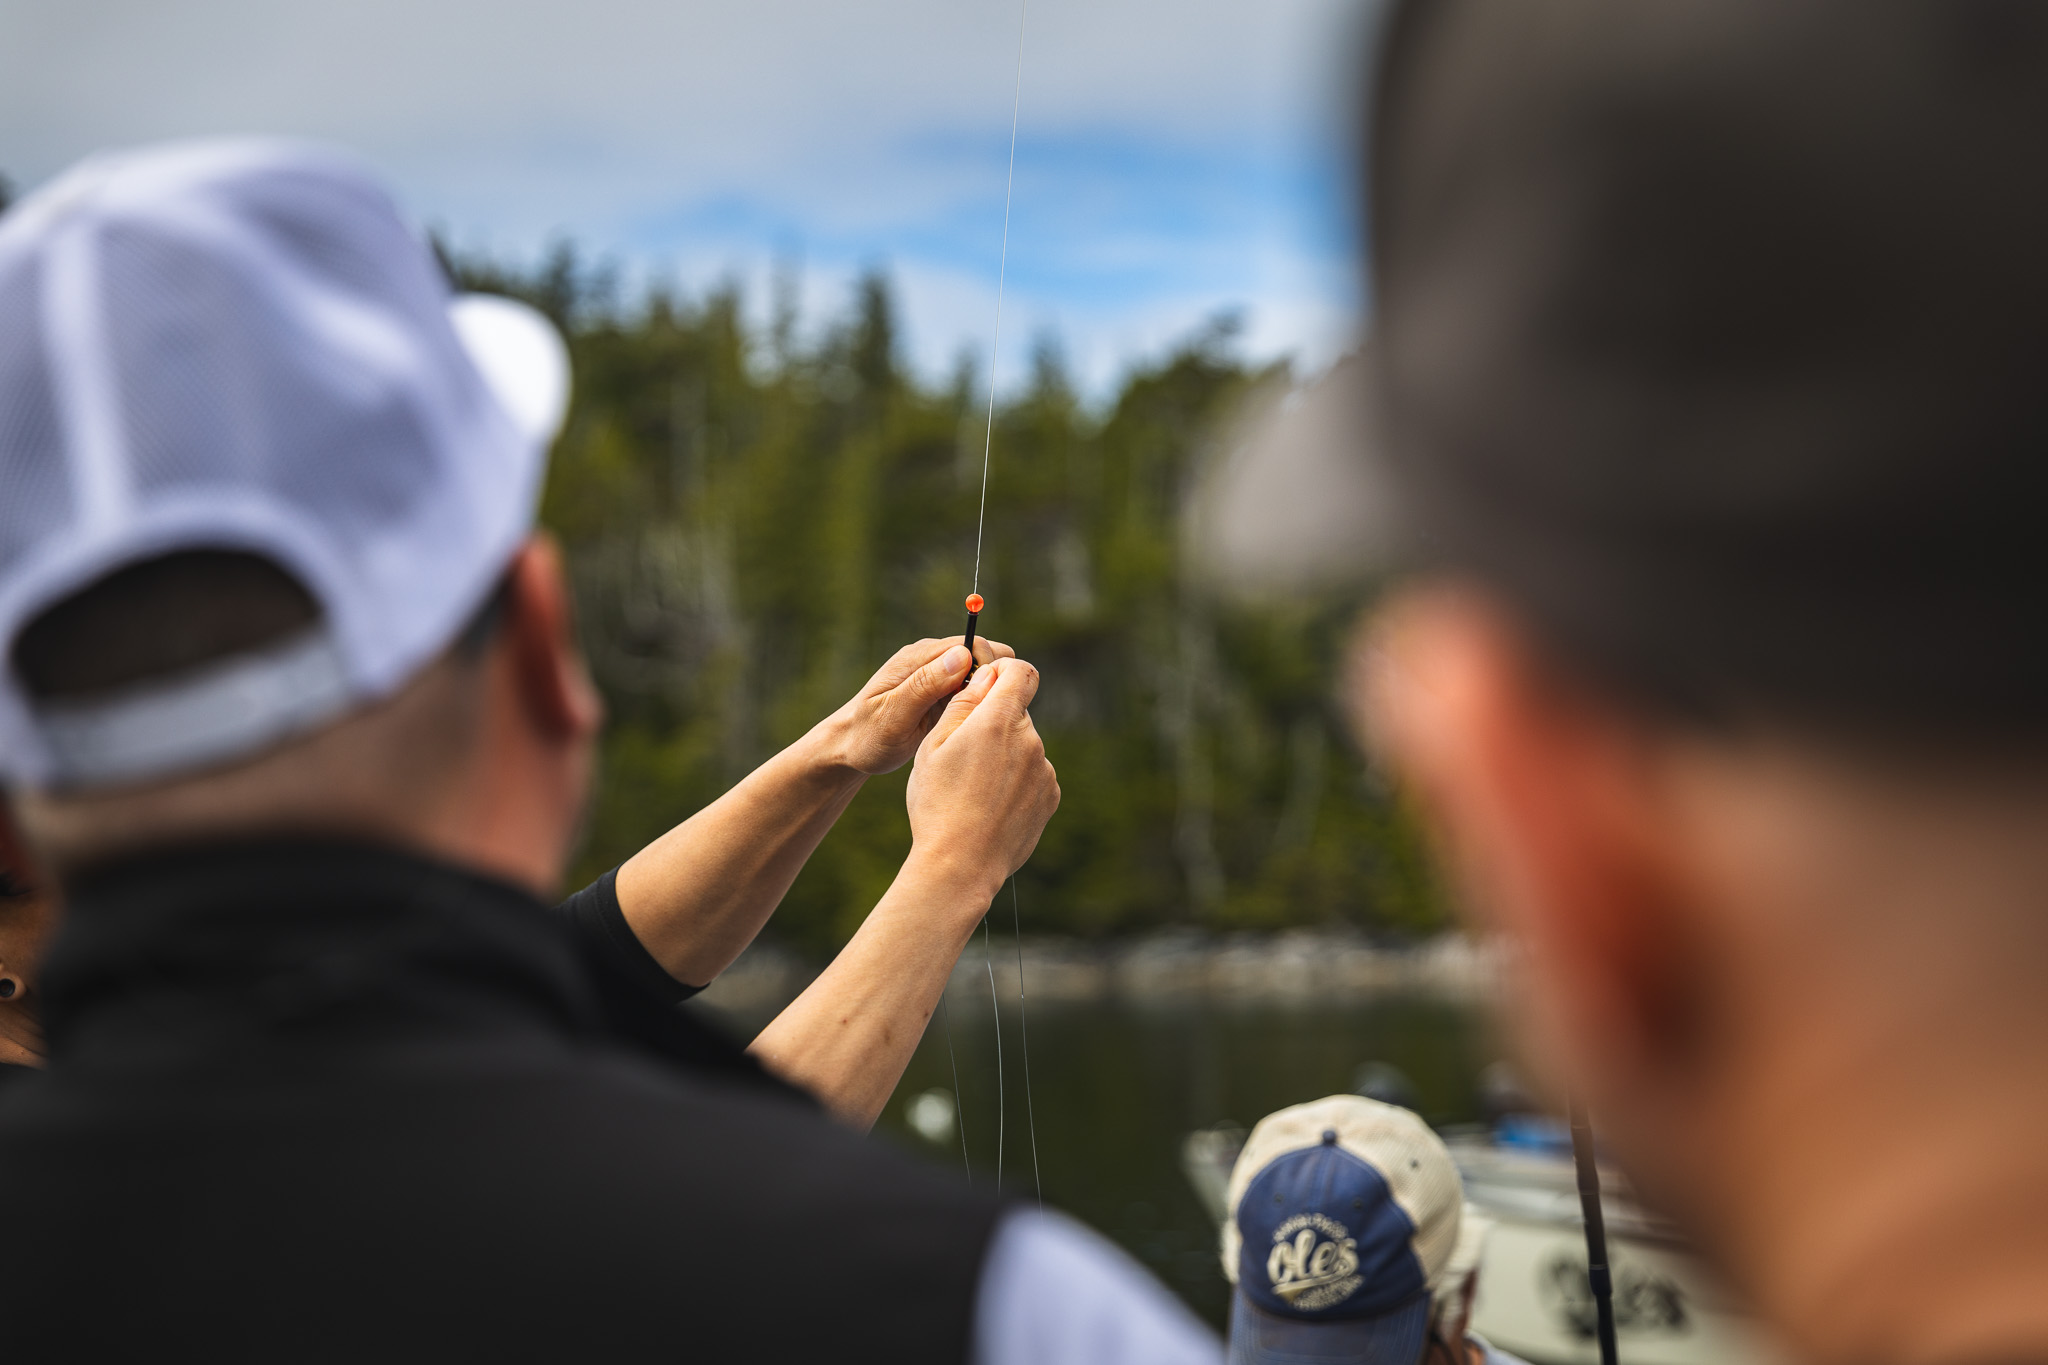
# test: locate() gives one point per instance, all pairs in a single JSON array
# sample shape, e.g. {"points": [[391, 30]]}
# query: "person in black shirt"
{"points": [[326, 1078]]}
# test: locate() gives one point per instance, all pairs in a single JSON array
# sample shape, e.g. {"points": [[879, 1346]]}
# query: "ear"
{"points": [[550, 679], [1543, 796], [1470, 1296]]}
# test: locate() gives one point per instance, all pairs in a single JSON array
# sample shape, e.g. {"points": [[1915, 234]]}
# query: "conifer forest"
{"points": [[756, 516]]}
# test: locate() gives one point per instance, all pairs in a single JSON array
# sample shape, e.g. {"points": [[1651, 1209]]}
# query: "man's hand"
{"points": [[982, 790], [879, 730]]}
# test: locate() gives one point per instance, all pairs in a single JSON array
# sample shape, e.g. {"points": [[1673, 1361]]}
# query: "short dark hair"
{"points": [[1712, 335], [157, 618], [161, 617]]}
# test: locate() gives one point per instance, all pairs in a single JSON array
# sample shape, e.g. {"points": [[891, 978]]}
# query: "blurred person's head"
{"points": [[1706, 391], [266, 496], [1342, 1235]]}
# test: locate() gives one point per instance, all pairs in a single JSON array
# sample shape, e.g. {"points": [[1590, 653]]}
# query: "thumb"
{"points": [[926, 687], [960, 708], [1016, 683]]}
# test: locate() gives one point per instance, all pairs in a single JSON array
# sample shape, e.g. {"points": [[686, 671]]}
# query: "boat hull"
{"points": [[1534, 1300]]}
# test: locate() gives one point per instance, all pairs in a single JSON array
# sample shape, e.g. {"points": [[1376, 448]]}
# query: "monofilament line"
{"points": [[988, 439], [989, 961], [959, 1100], [1024, 1033]]}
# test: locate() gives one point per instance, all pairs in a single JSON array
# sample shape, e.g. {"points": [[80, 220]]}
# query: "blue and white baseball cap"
{"points": [[1344, 1215], [241, 345]]}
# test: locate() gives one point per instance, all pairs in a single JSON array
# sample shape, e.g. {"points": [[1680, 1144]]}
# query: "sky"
{"points": [[1175, 158]]}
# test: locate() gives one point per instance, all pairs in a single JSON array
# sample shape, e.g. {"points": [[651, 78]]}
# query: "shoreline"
{"points": [[1294, 967]]}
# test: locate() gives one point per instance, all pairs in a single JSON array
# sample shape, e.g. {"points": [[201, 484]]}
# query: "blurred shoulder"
{"points": [[1052, 1290]]}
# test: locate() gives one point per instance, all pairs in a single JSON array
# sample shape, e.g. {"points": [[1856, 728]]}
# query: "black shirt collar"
{"points": [[187, 954]]}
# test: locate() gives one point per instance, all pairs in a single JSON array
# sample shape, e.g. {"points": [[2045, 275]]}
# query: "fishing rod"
{"points": [[974, 606], [1598, 1276]]}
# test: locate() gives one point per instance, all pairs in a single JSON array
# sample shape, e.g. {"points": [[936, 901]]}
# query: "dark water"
{"points": [[1116, 1086]]}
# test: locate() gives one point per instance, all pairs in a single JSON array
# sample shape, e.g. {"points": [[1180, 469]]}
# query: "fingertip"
{"points": [[955, 659]]}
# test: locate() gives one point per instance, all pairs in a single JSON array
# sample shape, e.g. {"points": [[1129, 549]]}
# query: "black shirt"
{"points": [[637, 998], [627, 979], [599, 925], [312, 1102]]}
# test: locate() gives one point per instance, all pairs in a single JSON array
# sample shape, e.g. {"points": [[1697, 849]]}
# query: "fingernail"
{"points": [[957, 658]]}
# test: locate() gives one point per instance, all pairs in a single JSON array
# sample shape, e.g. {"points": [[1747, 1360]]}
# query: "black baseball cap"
{"points": [[1713, 336]]}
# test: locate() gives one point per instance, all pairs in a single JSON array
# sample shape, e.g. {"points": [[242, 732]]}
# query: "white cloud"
{"points": [[861, 130]]}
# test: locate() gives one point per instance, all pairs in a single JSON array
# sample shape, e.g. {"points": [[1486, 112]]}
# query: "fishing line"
{"points": [[988, 960], [974, 607], [1002, 276], [1024, 1033], [959, 1100]]}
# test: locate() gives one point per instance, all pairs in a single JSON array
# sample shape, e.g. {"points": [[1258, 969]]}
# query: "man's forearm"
{"points": [[699, 894], [849, 1036]]}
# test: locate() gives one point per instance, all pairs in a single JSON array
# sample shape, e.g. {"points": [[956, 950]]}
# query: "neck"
{"points": [[1895, 1220], [1867, 1162], [1859, 1140], [508, 819], [447, 768]]}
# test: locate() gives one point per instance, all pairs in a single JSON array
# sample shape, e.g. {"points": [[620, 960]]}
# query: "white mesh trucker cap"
{"points": [[239, 345]]}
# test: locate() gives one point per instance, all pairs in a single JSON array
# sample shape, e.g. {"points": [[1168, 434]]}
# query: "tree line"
{"points": [[754, 521]]}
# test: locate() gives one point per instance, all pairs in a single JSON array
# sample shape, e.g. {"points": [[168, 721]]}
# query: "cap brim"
{"points": [[1261, 1338], [521, 357], [1297, 502]]}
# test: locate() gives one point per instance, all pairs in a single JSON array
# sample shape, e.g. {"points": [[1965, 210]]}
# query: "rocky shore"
{"points": [[1295, 967]]}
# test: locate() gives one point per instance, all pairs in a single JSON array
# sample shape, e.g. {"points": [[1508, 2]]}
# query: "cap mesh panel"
{"points": [[217, 391], [35, 490]]}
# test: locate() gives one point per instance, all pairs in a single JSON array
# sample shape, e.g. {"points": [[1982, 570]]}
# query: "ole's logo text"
{"points": [[1314, 1262]]}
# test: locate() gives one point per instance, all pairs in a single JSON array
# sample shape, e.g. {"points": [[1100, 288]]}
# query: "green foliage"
{"points": [[753, 527]]}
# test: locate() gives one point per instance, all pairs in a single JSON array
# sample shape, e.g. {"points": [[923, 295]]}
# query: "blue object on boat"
{"points": [[1534, 1133]]}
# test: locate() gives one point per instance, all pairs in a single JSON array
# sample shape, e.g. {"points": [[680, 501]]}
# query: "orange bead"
{"points": [[974, 602]]}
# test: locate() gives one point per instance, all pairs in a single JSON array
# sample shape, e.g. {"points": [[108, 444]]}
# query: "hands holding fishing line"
{"points": [[982, 790], [979, 797], [697, 896], [881, 727]]}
